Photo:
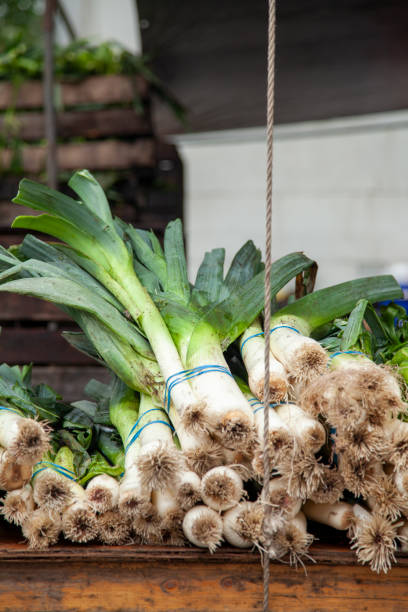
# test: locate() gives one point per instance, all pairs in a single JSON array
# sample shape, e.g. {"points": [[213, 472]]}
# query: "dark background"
{"points": [[334, 58]]}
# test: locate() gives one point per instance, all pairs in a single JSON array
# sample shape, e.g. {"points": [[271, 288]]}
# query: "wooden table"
{"points": [[145, 578]]}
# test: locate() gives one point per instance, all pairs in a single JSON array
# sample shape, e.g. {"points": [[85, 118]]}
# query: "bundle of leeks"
{"points": [[166, 338]]}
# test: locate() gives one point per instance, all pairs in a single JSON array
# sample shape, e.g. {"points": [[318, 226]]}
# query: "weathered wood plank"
{"points": [[100, 155], [9, 211], [86, 124], [13, 237], [69, 381], [22, 308], [39, 345], [110, 89], [154, 578]]}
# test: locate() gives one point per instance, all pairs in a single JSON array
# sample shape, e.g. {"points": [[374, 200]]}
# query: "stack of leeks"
{"points": [[188, 432]]}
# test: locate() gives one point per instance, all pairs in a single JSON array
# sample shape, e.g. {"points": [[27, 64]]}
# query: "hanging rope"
{"points": [[267, 308]]}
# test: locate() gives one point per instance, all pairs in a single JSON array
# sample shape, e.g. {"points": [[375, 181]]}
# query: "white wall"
{"points": [[340, 192], [103, 20]]}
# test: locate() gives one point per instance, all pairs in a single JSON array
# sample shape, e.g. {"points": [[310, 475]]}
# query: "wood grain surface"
{"points": [[126, 578], [98, 155], [40, 345], [117, 122], [110, 89]]}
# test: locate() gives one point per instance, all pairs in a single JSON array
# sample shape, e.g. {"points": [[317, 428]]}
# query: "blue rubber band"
{"points": [[262, 333], [286, 327], [253, 401], [140, 418], [250, 338], [184, 375], [137, 434], [57, 468], [271, 405], [10, 410]]}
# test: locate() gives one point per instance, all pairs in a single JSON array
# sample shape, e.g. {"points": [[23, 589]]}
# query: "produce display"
{"points": [[172, 449]]}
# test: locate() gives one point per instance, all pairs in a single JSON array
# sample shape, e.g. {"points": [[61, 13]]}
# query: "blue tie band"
{"points": [[184, 375], [9, 410], [57, 468], [139, 431], [261, 406], [141, 417], [272, 330]]}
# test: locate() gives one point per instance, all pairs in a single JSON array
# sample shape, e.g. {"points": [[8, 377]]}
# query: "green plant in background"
{"points": [[22, 59]]}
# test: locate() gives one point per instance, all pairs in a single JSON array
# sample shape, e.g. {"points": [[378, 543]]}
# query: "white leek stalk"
{"points": [[330, 488], [102, 492], [305, 428], [188, 490], [158, 459], [203, 527], [170, 514], [375, 385], [281, 506], [242, 525], [18, 505], [400, 478], [227, 412], [292, 540], [200, 451], [221, 488], [303, 472], [364, 442], [384, 498], [133, 499], [374, 539], [302, 357], [79, 522], [52, 490], [338, 515], [13, 475], [281, 438], [358, 474], [113, 528], [253, 355], [41, 529], [25, 439]]}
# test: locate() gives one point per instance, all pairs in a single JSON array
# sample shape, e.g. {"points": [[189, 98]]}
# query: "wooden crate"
{"points": [[99, 129]]}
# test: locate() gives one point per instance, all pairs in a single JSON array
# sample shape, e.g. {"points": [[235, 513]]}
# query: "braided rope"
{"points": [[268, 263]]}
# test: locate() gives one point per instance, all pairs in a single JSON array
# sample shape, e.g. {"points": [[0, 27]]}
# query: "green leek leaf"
{"points": [[71, 294], [324, 305], [177, 280], [246, 264], [353, 327], [209, 281], [91, 194]]}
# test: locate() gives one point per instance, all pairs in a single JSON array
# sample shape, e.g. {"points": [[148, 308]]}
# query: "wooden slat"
{"points": [[69, 381], [125, 579], [111, 89], [86, 124], [13, 237], [101, 155], [20, 307], [38, 345]]}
